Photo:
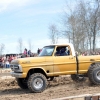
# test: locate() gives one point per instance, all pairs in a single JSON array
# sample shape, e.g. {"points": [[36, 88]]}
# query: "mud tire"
{"points": [[37, 83], [94, 74]]}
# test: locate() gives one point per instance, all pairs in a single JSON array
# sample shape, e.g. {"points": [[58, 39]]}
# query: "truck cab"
{"points": [[60, 59]]}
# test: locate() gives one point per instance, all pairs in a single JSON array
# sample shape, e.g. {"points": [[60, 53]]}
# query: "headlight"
{"points": [[16, 68], [15, 62]]}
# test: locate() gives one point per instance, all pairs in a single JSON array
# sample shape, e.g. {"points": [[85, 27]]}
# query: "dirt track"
{"points": [[60, 87]]}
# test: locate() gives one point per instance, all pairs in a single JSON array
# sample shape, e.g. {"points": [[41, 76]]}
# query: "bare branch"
{"points": [[53, 35], [2, 47], [20, 45]]}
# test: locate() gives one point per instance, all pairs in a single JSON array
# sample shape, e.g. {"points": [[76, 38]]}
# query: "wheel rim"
{"points": [[38, 83], [98, 75]]}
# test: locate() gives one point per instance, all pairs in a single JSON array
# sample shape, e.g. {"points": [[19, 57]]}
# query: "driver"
{"points": [[63, 52]]}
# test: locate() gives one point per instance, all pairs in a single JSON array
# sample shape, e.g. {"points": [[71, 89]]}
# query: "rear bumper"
{"points": [[18, 75]]}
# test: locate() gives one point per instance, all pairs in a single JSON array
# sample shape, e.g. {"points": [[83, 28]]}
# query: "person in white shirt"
{"points": [[7, 62]]}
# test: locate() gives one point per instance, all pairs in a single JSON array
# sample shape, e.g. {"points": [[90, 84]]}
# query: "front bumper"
{"points": [[18, 75]]}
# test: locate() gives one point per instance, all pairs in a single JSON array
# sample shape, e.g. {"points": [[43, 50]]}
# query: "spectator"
{"points": [[0, 61], [11, 58], [15, 57], [7, 62], [38, 51], [3, 61], [25, 52], [29, 53]]}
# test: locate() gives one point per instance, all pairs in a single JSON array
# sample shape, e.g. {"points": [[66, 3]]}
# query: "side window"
{"points": [[67, 50], [62, 51], [57, 53]]}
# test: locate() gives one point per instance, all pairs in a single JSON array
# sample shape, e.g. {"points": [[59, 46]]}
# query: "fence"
{"points": [[81, 97]]}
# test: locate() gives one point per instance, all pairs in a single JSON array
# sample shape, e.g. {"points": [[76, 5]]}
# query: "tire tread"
{"points": [[90, 73], [31, 79]]}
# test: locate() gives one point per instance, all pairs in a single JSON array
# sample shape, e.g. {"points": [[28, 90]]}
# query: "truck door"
{"points": [[47, 53], [64, 64]]}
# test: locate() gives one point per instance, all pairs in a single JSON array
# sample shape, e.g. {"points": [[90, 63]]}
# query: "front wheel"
{"points": [[37, 82]]}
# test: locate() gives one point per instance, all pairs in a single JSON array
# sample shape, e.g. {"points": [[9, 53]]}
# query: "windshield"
{"points": [[47, 51]]}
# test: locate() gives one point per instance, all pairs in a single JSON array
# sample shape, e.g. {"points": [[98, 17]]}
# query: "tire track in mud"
{"points": [[60, 87]]}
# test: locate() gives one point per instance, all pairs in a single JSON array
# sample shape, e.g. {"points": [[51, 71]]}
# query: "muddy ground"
{"points": [[60, 87]]}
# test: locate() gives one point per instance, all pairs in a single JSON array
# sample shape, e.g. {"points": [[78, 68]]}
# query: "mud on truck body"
{"points": [[54, 60]]}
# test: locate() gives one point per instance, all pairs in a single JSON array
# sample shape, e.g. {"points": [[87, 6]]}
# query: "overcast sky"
{"points": [[29, 20]]}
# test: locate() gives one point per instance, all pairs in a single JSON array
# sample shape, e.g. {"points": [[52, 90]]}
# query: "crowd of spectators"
{"points": [[6, 60], [86, 53], [27, 53]]}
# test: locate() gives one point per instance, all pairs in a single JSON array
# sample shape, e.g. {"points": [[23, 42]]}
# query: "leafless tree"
{"points": [[2, 47], [92, 22], [53, 34], [75, 27], [95, 21], [20, 45], [83, 24], [30, 45]]}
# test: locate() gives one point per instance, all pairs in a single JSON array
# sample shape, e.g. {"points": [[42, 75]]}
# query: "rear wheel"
{"points": [[94, 74], [37, 82], [22, 83], [78, 78]]}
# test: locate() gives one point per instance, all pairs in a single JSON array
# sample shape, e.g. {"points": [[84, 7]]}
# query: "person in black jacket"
{"points": [[63, 52]]}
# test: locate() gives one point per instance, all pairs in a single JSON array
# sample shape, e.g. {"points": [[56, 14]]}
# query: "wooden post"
{"points": [[88, 98], [95, 98]]}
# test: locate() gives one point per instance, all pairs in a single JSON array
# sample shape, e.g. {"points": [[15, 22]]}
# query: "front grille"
{"points": [[14, 67]]}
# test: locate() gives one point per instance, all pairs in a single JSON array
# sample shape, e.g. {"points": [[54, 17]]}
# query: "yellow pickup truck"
{"points": [[54, 60]]}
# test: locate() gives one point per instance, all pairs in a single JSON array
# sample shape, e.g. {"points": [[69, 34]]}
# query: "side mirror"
{"points": [[56, 54], [76, 53]]}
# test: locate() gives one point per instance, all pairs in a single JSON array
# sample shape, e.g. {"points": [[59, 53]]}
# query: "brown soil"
{"points": [[60, 87]]}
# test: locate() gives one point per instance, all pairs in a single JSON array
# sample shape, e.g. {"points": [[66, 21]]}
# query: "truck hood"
{"points": [[29, 60]]}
